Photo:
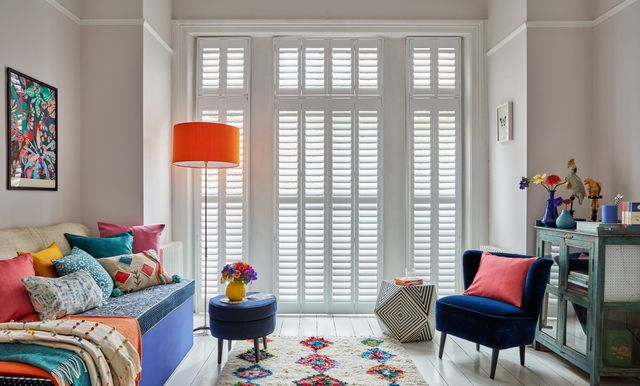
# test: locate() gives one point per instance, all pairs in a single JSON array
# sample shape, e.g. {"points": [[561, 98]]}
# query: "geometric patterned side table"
{"points": [[406, 312]]}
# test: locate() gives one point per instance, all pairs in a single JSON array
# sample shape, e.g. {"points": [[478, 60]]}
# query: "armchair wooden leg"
{"points": [[264, 341], [443, 339], [494, 362], [477, 346], [229, 345], [522, 355], [220, 344], [256, 349]]}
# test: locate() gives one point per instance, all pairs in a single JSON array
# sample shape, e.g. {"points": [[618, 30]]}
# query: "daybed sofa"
{"points": [[164, 313]]}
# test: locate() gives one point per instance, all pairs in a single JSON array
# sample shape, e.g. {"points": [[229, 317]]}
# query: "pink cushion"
{"points": [[501, 278], [15, 298], [145, 237]]}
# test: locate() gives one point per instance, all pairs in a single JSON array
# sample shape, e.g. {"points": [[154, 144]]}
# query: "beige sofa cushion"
{"points": [[34, 239]]}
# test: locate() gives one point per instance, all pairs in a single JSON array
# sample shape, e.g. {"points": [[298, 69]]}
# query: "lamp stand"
{"points": [[205, 326]]}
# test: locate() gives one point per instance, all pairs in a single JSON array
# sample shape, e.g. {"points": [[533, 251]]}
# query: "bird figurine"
{"points": [[594, 195], [574, 182]]}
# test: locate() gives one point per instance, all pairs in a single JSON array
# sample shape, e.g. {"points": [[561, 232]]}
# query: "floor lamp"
{"points": [[205, 145]]}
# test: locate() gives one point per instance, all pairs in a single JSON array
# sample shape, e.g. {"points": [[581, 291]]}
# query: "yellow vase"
{"points": [[236, 291]]}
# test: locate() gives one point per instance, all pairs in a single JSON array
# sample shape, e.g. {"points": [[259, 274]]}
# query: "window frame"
{"points": [[432, 97], [328, 99], [241, 98]]}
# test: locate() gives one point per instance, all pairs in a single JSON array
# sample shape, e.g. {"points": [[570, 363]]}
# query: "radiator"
{"points": [[491, 248], [172, 258]]}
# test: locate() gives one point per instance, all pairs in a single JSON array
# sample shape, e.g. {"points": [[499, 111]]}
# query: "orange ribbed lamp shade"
{"points": [[206, 144]]}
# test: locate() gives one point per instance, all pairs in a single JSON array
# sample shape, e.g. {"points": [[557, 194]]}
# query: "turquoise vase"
{"points": [[565, 221], [551, 212]]}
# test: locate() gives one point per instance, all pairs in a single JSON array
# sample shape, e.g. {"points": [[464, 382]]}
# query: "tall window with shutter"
{"points": [[223, 96], [328, 212], [434, 150]]}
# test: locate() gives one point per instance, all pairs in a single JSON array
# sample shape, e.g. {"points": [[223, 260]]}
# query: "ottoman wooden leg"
{"points": [[220, 344], [256, 348], [229, 345], [264, 341]]}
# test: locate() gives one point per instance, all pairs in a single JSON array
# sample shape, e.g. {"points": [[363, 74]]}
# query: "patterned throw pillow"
{"points": [[54, 298], [138, 271], [81, 260]]}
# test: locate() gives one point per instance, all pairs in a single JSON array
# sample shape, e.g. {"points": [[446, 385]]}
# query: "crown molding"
{"points": [[561, 24], [613, 11], [63, 10]]}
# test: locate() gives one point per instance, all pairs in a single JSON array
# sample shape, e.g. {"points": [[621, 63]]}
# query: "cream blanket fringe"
{"points": [[110, 359]]}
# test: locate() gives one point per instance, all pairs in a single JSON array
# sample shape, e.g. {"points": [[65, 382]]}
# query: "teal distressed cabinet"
{"points": [[591, 309]]}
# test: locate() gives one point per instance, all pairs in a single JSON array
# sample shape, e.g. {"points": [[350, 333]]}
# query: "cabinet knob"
{"points": [[568, 237]]}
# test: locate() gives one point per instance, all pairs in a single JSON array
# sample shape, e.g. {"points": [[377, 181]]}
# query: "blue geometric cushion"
{"points": [[120, 244], [80, 260]]}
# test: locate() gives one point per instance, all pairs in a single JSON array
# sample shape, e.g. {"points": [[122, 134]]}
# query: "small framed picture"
{"points": [[504, 122]]}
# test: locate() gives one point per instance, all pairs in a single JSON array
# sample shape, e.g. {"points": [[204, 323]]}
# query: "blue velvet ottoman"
{"points": [[253, 319]]}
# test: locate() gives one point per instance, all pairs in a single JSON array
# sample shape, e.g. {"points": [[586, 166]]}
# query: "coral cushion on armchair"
{"points": [[15, 298], [501, 278], [145, 237]]}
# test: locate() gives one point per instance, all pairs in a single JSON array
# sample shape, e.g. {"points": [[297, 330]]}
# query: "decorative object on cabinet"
{"points": [[550, 183], [504, 122], [32, 133], [591, 312], [565, 220], [594, 195], [574, 183]]}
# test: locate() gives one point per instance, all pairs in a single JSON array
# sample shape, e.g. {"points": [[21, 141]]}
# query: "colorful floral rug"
{"points": [[322, 361]]}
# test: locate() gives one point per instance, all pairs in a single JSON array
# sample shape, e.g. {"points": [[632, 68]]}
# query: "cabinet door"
{"points": [[549, 247], [579, 256]]}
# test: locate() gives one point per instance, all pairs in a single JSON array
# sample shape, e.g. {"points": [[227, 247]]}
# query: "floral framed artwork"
{"points": [[32, 133]]}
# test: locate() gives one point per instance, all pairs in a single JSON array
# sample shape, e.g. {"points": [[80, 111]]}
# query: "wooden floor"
{"points": [[461, 364]]}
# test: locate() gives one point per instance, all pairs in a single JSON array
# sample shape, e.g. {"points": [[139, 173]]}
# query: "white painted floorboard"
{"points": [[461, 364]]}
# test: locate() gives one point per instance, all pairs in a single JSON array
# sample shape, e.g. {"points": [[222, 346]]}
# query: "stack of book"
{"points": [[578, 282], [408, 281], [630, 212]]}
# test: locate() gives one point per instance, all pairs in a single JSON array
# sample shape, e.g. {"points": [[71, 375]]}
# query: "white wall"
{"points": [[156, 145], [329, 9], [46, 46], [112, 147], [507, 81], [616, 103], [598, 7], [559, 89]]}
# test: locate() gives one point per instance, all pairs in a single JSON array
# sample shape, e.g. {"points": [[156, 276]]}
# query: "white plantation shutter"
{"points": [[223, 97], [328, 203], [434, 150]]}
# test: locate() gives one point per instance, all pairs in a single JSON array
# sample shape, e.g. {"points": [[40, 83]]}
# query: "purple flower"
{"points": [[524, 183], [558, 201]]}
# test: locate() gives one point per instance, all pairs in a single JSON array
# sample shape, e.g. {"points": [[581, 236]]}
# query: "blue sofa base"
{"points": [[166, 344]]}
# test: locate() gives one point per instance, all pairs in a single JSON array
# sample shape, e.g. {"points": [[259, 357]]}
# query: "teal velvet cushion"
{"points": [[80, 260], [120, 244], [54, 298]]}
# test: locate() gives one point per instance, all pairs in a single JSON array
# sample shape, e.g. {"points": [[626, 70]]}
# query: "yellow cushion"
{"points": [[43, 260]]}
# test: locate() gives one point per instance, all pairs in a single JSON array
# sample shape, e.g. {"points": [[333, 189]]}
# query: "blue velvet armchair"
{"points": [[490, 322]]}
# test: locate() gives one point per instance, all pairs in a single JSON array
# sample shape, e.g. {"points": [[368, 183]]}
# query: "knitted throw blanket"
{"points": [[108, 356]]}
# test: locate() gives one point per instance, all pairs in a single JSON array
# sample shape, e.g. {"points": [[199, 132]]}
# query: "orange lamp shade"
{"points": [[206, 144]]}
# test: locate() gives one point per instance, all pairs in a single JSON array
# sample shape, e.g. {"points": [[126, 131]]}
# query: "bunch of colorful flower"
{"points": [[550, 182], [238, 271]]}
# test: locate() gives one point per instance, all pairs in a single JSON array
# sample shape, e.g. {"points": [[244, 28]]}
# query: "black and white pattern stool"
{"points": [[406, 312]]}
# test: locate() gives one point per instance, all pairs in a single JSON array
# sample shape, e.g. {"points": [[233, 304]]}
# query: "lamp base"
{"points": [[202, 328]]}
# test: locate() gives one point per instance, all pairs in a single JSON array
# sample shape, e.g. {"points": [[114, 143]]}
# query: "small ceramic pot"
{"points": [[565, 221]]}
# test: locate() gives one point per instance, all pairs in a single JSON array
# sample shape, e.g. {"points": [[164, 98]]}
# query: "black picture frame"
{"points": [[24, 183]]}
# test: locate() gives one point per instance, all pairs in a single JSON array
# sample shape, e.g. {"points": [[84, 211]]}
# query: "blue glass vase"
{"points": [[551, 212]]}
